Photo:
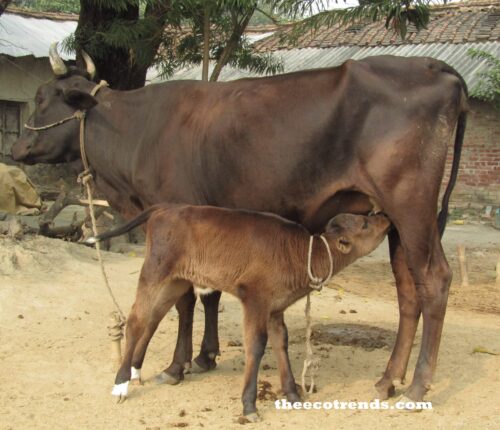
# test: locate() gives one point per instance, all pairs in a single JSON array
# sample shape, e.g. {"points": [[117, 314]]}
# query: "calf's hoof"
{"points": [[385, 389], [250, 418], [293, 397], [136, 381], [166, 378], [120, 392]]}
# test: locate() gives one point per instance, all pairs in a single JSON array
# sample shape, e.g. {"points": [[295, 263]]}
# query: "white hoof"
{"points": [[135, 376], [120, 391]]}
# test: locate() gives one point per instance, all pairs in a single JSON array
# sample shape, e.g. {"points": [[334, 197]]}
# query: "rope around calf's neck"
{"points": [[317, 283]]}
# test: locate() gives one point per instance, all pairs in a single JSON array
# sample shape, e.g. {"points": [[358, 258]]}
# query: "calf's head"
{"points": [[354, 236], [55, 100]]}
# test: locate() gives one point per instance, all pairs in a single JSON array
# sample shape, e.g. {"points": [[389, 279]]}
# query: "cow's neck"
{"points": [[109, 141]]}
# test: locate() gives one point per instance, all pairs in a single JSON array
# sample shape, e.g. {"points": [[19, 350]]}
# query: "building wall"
{"points": [[478, 182], [20, 78]]}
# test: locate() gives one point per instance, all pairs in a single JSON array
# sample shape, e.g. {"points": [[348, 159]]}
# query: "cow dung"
{"points": [[360, 335]]}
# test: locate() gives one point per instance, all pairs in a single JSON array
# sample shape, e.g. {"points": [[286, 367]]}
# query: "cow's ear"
{"points": [[343, 245], [79, 99]]}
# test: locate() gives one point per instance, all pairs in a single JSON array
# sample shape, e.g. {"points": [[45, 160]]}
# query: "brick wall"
{"points": [[478, 181]]}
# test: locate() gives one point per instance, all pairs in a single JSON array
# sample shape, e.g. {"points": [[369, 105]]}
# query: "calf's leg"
{"points": [[255, 321], [278, 336], [152, 303], [409, 313]]}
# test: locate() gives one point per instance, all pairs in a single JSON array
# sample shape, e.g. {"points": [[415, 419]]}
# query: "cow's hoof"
{"points": [[250, 418], [120, 391], [407, 404], [136, 381], [202, 365], [165, 378]]}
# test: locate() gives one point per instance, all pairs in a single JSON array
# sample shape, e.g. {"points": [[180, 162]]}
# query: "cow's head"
{"points": [[55, 100]]}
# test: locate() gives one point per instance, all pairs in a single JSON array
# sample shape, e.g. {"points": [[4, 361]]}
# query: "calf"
{"points": [[259, 258]]}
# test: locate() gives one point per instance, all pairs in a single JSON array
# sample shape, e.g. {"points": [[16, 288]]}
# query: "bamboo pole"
{"points": [[463, 265]]}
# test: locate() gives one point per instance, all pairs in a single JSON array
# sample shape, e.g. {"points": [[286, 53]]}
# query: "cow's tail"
{"points": [[459, 139], [125, 228]]}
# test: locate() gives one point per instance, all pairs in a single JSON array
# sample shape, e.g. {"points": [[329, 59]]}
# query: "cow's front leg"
{"points": [[183, 353], [210, 343]]}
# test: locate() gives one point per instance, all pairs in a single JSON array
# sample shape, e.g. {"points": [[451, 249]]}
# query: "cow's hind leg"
{"points": [[183, 353], [409, 313], [278, 335], [210, 343], [432, 276]]}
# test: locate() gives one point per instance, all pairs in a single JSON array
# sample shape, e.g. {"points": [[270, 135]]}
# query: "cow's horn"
{"points": [[56, 61], [89, 64]]}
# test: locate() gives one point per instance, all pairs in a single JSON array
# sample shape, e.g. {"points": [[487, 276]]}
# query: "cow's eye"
{"points": [[365, 225]]}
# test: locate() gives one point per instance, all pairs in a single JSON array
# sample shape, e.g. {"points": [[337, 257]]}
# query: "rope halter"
{"points": [[317, 283], [78, 114]]}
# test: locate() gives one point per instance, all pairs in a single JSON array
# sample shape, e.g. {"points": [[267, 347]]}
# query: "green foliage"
{"points": [[67, 6], [488, 88], [227, 43]]}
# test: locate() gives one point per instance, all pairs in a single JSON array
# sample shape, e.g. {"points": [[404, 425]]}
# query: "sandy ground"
{"points": [[57, 372]]}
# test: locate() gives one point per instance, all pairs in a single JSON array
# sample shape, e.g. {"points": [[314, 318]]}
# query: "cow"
{"points": [[262, 259], [306, 145]]}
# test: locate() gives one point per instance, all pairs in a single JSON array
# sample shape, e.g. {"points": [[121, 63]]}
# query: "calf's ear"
{"points": [[79, 99], [343, 245]]}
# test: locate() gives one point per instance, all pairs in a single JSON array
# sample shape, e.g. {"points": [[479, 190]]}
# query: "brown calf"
{"points": [[259, 258]]}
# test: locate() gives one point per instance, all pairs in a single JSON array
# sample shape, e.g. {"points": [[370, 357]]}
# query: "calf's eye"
{"points": [[365, 225]]}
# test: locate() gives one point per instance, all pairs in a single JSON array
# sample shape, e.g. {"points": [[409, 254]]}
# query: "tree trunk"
{"points": [[3, 5], [118, 65], [206, 42], [238, 30]]}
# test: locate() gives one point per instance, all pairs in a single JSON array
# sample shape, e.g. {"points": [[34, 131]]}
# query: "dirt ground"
{"points": [[57, 371]]}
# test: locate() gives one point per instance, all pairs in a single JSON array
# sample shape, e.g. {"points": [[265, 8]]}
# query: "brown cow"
{"points": [[259, 258], [306, 146]]}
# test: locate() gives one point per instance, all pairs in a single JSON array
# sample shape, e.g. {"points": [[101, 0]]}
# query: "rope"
{"points": [[317, 283], [76, 115], [85, 178], [311, 362]]}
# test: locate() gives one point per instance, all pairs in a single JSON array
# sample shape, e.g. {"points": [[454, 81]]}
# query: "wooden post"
{"points": [[498, 271], [115, 332], [463, 265]]}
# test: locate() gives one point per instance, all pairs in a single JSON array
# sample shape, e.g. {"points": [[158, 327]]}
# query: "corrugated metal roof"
{"points": [[299, 59], [23, 35], [463, 22]]}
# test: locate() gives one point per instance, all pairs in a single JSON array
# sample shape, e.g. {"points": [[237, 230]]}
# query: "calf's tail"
{"points": [[125, 228]]}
